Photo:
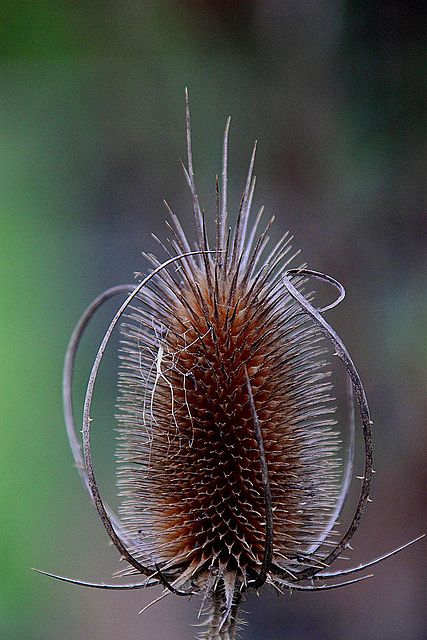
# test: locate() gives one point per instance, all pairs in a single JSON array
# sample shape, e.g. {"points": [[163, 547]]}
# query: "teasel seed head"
{"points": [[228, 456], [206, 352]]}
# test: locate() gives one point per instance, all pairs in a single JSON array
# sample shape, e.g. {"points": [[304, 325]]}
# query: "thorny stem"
{"points": [[222, 625]]}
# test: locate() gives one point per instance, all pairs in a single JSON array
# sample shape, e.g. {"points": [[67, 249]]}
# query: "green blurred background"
{"points": [[91, 128]]}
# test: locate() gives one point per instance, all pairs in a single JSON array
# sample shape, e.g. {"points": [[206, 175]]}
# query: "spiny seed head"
{"points": [[189, 463], [228, 461]]}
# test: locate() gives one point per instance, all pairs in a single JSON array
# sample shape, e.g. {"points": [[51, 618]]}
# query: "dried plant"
{"points": [[227, 453]]}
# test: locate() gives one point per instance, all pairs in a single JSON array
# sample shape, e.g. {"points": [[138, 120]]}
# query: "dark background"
{"points": [[92, 125]]}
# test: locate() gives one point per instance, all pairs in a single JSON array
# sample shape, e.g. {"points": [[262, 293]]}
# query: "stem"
{"points": [[222, 624]]}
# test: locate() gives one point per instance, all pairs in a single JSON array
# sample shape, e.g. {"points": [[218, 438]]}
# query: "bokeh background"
{"points": [[91, 130]]}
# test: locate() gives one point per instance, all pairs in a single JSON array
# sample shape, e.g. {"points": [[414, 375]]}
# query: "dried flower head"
{"points": [[227, 453]]}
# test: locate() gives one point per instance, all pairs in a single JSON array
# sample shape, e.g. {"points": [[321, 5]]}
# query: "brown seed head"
{"points": [[189, 463], [227, 453]]}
